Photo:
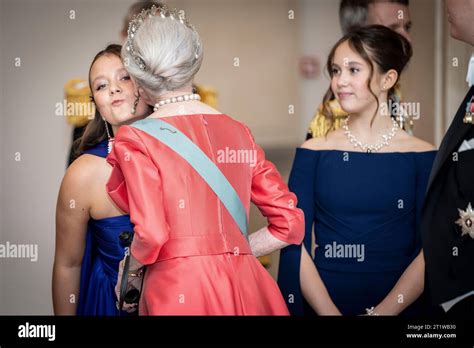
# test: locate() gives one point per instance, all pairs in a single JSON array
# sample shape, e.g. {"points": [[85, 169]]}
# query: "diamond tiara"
{"points": [[138, 20]]}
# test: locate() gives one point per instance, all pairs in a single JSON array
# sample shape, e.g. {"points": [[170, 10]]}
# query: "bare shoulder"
{"points": [[327, 142], [422, 146], [315, 144], [414, 144], [81, 173]]}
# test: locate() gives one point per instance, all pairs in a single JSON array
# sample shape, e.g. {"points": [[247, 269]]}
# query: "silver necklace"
{"points": [[364, 146]]}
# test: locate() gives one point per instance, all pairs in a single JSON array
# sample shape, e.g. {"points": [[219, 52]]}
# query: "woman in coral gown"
{"points": [[198, 260]]}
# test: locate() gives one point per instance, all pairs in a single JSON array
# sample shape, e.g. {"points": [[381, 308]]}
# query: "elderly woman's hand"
{"points": [[135, 275]]}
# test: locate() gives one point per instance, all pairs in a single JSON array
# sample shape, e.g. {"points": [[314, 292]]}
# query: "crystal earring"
{"points": [[111, 140], [135, 104]]}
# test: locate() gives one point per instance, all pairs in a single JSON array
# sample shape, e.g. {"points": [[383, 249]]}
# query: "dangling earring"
{"points": [[111, 140], [135, 104]]}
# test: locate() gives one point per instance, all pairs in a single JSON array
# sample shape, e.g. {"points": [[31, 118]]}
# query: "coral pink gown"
{"points": [[198, 261]]}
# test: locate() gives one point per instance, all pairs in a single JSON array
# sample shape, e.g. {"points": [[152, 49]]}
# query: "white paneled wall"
{"points": [[53, 48], [2, 292]]}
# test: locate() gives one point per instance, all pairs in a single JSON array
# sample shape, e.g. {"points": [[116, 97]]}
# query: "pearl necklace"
{"points": [[366, 147], [182, 98]]}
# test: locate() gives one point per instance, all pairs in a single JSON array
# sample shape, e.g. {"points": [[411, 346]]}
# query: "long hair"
{"points": [[381, 48], [95, 131]]}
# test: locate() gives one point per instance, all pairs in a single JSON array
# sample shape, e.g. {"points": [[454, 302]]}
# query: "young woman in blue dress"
{"points": [[88, 223], [361, 188]]}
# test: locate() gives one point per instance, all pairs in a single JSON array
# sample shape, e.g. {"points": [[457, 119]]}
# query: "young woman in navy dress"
{"points": [[361, 188]]}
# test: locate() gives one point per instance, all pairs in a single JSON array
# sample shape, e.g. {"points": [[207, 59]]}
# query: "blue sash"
{"points": [[190, 152]]}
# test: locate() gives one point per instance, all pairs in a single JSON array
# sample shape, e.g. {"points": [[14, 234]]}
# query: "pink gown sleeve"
{"points": [[135, 186], [275, 201]]}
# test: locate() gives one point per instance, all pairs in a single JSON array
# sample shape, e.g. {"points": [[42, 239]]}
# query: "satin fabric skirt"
{"points": [[223, 284]]}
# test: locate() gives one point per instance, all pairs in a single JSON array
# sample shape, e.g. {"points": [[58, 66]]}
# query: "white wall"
{"points": [[319, 31], [2, 292], [264, 39], [418, 81], [53, 49]]}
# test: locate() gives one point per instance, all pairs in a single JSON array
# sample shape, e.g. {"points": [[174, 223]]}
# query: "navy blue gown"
{"points": [[365, 209], [102, 255]]}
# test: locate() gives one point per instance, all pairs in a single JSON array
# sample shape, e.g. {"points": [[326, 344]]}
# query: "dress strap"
{"points": [[99, 150]]}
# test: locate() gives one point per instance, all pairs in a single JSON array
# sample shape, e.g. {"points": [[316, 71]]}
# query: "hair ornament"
{"points": [[162, 11]]}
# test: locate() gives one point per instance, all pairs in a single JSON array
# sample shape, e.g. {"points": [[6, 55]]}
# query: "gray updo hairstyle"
{"points": [[171, 51]]}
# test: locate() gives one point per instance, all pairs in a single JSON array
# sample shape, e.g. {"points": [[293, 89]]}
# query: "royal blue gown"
{"points": [[365, 209], [102, 255]]}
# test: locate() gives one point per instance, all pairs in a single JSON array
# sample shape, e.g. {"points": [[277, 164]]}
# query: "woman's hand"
{"points": [[263, 243], [135, 275], [313, 288], [407, 289]]}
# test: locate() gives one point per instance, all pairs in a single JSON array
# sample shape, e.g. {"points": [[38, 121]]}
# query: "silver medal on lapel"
{"points": [[466, 221]]}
